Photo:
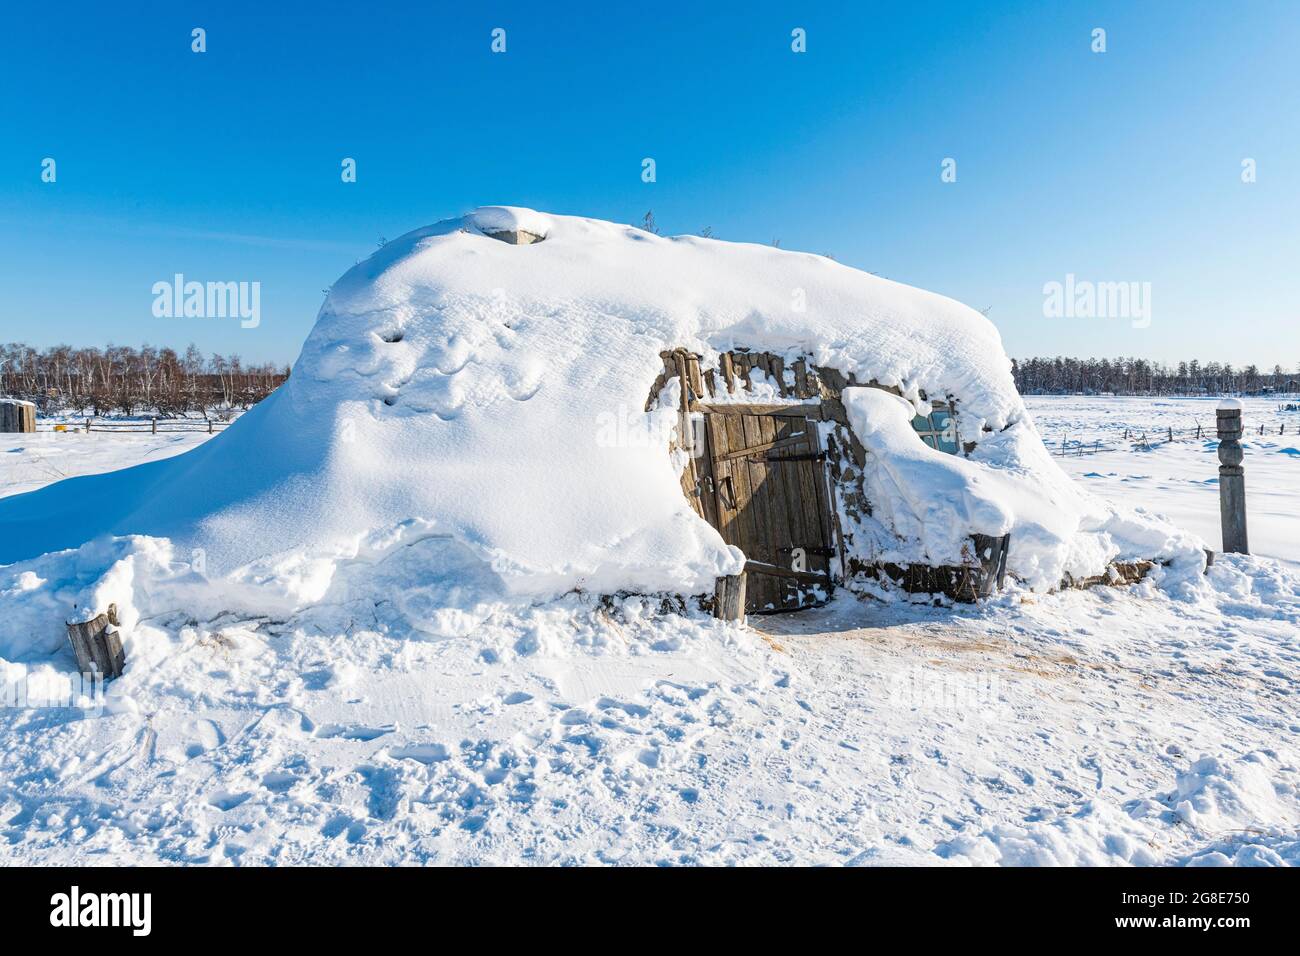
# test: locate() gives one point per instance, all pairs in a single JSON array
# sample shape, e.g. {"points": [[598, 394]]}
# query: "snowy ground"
{"points": [[30, 461], [1181, 479], [1110, 726]]}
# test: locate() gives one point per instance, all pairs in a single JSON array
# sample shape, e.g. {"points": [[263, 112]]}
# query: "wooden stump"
{"points": [[729, 597], [98, 645], [17, 416]]}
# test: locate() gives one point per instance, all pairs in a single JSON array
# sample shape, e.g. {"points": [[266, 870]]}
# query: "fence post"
{"points": [[153, 421], [1232, 477]]}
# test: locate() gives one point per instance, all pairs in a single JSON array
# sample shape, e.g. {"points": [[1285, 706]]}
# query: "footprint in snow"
{"points": [[353, 732], [421, 753], [224, 801]]}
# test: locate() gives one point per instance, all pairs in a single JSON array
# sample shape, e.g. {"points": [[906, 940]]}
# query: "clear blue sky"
{"points": [[1122, 166]]}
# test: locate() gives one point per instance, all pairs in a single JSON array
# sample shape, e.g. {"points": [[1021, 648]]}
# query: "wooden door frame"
{"points": [[707, 483]]}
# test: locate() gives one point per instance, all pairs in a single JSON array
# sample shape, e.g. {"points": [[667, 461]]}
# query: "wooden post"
{"points": [[729, 597], [17, 415], [991, 552], [1232, 477], [97, 644]]}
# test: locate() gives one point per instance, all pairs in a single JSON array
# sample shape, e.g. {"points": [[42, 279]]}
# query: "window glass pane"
{"points": [[938, 430], [945, 427]]}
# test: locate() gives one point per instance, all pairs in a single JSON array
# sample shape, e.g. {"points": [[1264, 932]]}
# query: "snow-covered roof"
{"points": [[475, 408]]}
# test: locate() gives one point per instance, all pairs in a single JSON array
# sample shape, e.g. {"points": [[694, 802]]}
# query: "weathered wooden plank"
{"points": [[749, 525], [777, 444], [813, 503], [823, 503], [796, 411], [760, 497], [739, 476], [765, 569], [703, 466], [715, 425], [779, 533], [796, 431]]}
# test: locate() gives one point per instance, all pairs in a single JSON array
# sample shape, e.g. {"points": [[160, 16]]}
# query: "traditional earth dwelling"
{"points": [[774, 473], [441, 451]]}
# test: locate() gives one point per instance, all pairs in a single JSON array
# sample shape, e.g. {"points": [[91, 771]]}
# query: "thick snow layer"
{"points": [[934, 502], [1114, 726], [454, 386]]}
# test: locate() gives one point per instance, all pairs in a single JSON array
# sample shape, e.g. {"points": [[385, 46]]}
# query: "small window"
{"points": [[939, 429]]}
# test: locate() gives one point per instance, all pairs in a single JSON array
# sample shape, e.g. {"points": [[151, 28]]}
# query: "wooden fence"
{"points": [[153, 426], [1146, 439]]}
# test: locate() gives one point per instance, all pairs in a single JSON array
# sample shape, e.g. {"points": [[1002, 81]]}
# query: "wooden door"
{"points": [[767, 477]]}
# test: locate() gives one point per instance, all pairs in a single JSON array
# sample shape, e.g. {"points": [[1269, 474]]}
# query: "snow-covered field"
{"points": [[1181, 479], [1110, 726], [33, 460]]}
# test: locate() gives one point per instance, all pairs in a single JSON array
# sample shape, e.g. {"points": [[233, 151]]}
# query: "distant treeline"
{"points": [[1135, 376], [123, 379]]}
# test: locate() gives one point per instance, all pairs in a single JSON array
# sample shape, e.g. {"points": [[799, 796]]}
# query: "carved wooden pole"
{"points": [[1232, 477]]}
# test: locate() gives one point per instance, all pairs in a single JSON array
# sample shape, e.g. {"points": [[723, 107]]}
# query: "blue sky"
{"points": [[1121, 166]]}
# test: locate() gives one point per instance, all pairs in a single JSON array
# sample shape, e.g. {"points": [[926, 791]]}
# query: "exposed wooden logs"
{"points": [[1117, 574], [98, 645], [800, 380]]}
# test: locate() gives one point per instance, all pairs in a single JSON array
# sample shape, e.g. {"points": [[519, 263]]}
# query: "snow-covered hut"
{"points": [[510, 405]]}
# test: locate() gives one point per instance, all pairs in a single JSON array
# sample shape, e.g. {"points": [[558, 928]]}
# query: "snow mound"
{"points": [[448, 418]]}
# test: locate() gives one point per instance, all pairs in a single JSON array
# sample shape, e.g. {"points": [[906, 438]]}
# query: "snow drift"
{"points": [[440, 436]]}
